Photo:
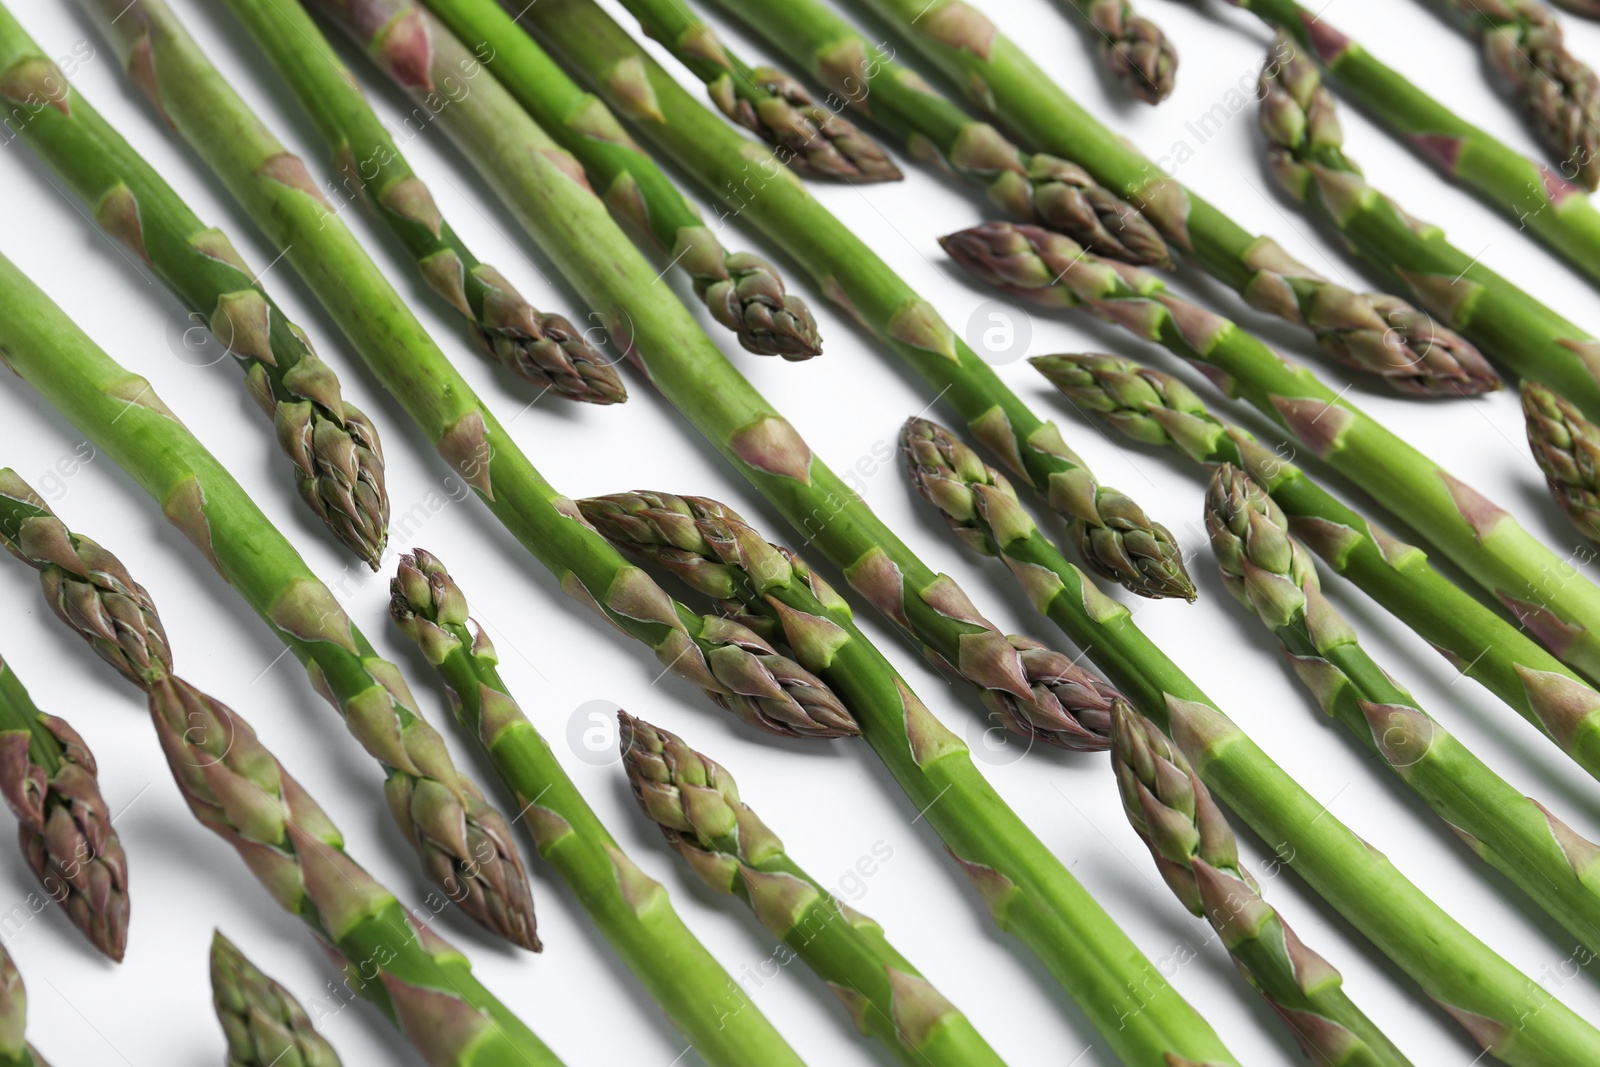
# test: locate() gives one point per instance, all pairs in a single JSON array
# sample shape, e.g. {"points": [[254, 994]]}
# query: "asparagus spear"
{"points": [[1486, 542], [1115, 536], [1559, 93], [1547, 203], [696, 803], [263, 1022], [15, 1051], [1305, 153], [1589, 8], [1194, 849], [1566, 446], [1158, 409], [49, 780], [811, 139], [1132, 49], [630, 908], [544, 349], [335, 450], [1272, 574], [464, 843], [1508, 1015]]}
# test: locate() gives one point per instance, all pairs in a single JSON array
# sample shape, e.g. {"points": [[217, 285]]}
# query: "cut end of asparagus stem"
{"points": [[1559, 93], [1134, 50], [1567, 448], [814, 140], [264, 1024], [751, 300]]}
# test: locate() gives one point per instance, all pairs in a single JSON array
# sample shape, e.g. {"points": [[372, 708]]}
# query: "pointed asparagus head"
{"points": [[1265, 568], [264, 1024], [748, 296], [1567, 448], [14, 1045], [1559, 93], [1066, 198], [1114, 536], [1026, 260], [1145, 404], [1071, 706], [86, 586], [812, 139], [1134, 50], [544, 349]]}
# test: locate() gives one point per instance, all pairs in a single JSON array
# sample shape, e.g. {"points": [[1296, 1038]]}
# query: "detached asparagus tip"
{"points": [[1567, 448]]}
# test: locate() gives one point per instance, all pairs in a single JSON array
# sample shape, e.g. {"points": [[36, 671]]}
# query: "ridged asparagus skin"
{"points": [[1158, 409], [629, 907], [263, 1022], [1305, 152], [1510, 1016], [335, 450], [1544, 201], [48, 778], [1272, 574], [1194, 849]]}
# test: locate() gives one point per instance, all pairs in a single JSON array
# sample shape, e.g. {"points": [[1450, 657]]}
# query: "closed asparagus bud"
{"points": [[340, 464], [812, 139], [539, 347], [748, 297], [1567, 448], [1147, 405], [1071, 707], [1065, 197], [1114, 535], [263, 1022], [1262, 565], [1134, 49], [88, 587]]}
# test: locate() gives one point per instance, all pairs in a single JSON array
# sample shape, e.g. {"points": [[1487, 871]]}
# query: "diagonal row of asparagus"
{"points": [[263, 1023]]}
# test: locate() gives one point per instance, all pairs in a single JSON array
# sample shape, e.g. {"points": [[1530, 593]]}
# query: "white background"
{"points": [[832, 803]]}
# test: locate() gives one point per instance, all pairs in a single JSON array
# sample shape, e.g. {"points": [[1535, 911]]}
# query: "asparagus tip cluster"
{"points": [[813, 139], [264, 1024], [541, 347], [1134, 50], [1567, 448]]}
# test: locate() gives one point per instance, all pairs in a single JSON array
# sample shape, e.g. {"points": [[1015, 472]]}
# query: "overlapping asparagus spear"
{"points": [[1306, 155], [334, 447], [1272, 574], [1500, 1008], [263, 1022], [15, 1051], [1194, 849], [631, 909], [49, 780], [696, 803]]}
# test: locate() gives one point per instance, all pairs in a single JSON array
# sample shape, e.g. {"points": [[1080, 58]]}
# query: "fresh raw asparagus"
{"points": [[464, 844], [810, 139], [696, 803], [49, 780], [630, 908], [15, 1051], [1513, 1019], [1132, 48], [263, 1022], [544, 349], [1305, 153], [1112, 531], [1370, 332], [1272, 574], [1547, 203], [1194, 849], [1556, 602], [1158, 409], [1566, 446], [929, 126], [1558, 93], [1589, 8], [334, 447]]}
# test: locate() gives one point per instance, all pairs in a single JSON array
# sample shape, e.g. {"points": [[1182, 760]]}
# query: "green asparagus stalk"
{"points": [[811, 139], [1566, 446], [1272, 574], [1194, 849], [48, 778], [464, 844], [1559, 605], [263, 1022], [1513, 1019], [1305, 153], [1547, 203], [15, 1051], [1115, 536], [1132, 49], [928, 126], [544, 349], [1158, 409], [1558, 93], [335, 450], [696, 803], [631, 909]]}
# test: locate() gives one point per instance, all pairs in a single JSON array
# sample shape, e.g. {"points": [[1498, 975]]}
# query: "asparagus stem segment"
{"points": [[49, 779], [1566, 446], [631, 909], [464, 844], [1132, 49], [1547, 203], [1158, 409], [1194, 849], [544, 349], [1512, 1018], [696, 803], [263, 1022], [813, 140], [337, 457], [1272, 574], [1306, 154]]}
